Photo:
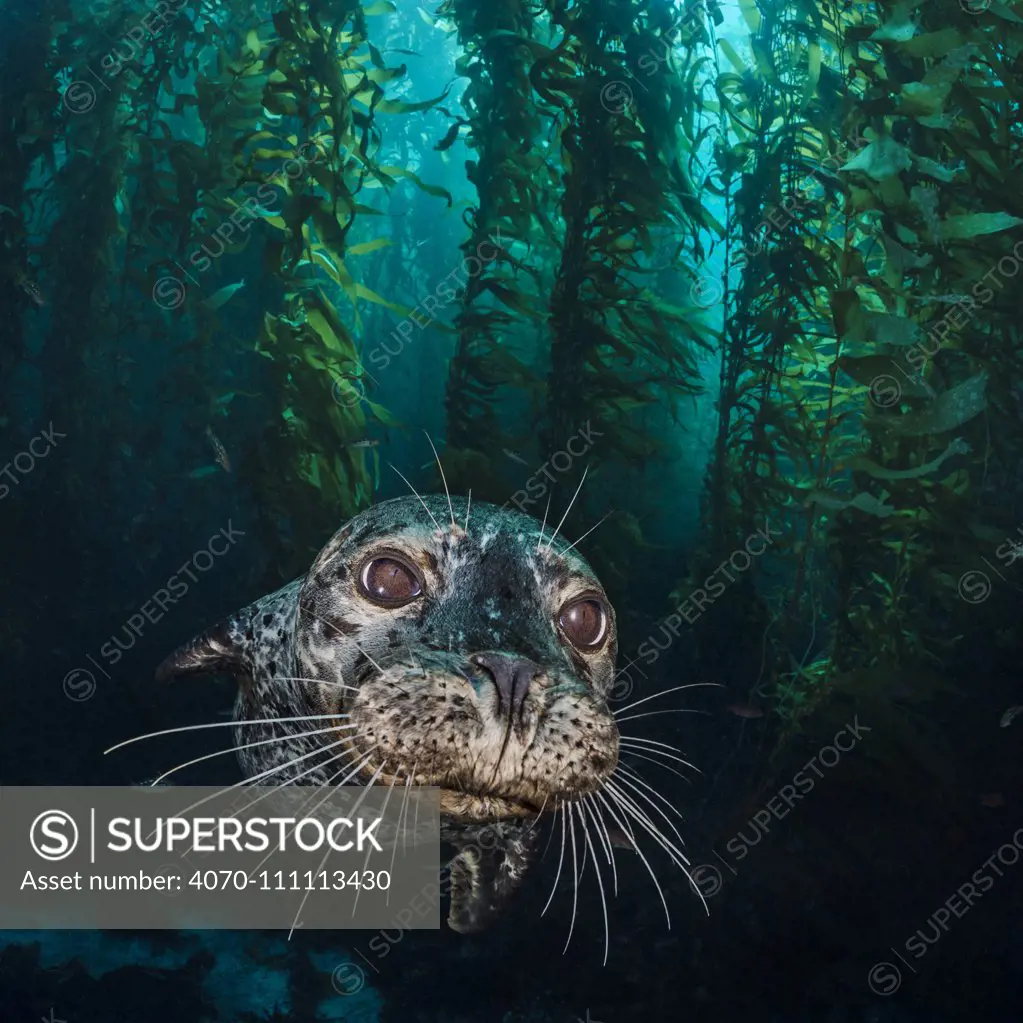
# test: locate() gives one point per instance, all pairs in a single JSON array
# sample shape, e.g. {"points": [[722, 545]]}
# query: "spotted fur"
{"points": [[418, 704]]}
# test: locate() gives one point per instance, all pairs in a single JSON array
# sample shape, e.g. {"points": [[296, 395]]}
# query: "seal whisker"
{"points": [[667, 802], [268, 773], [664, 692], [651, 742], [575, 878], [326, 855], [557, 529], [629, 799], [640, 756], [315, 681], [602, 833], [561, 858], [649, 826], [443, 480], [221, 724], [543, 525], [369, 852], [588, 531], [421, 501], [600, 880], [247, 745], [330, 781], [657, 713], [468, 505], [631, 744], [646, 863], [628, 804]]}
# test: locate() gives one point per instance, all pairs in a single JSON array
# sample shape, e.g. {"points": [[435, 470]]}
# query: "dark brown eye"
{"points": [[584, 622], [389, 582]]}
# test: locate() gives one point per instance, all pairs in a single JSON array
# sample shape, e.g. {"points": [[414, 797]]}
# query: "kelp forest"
{"points": [[735, 285]]}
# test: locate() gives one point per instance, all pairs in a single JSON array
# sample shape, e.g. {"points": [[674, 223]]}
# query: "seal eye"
{"points": [[389, 582], [584, 623]]}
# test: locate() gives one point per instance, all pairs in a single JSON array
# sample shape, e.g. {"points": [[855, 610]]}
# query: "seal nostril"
{"points": [[511, 676]]}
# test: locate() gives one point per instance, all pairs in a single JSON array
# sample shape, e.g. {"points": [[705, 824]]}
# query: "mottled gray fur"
{"points": [[418, 704]]}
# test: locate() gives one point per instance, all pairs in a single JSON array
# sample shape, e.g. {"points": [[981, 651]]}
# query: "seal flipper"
{"points": [[483, 879], [222, 648]]}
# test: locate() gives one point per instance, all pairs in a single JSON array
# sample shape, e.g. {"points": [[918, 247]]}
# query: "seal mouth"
{"points": [[476, 806]]}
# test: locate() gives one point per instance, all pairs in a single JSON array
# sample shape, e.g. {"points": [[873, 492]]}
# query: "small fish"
{"points": [[1009, 715], [620, 839], [218, 298], [992, 799], [218, 450], [31, 289], [515, 457], [368, 442], [744, 710]]}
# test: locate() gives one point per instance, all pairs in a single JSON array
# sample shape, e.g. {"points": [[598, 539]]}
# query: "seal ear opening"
{"points": [[218, 649]]}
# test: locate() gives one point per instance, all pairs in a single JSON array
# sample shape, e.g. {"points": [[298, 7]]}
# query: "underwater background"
{"points": [[753, 268]]}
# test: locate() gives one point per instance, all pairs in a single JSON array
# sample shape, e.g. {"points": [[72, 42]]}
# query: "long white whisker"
{"points": [[366, 655], [358, 803], [580, 540], [632, 753], [625, 801], [315, 793], [664, 692], [248, 745], [369, 851], [421, 501], [651, 742], [667, 802], [543, 525], [561, 858], [658, 713], [268, 773], [639, 852], [626, 744], [550, 543], [575, 877], [443, 480], [602, 833], [639, 815], [315, 681], [222, 724], [600, 881]]}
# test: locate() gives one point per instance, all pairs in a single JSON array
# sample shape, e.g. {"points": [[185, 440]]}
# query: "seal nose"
{"points": [[511, 676]]}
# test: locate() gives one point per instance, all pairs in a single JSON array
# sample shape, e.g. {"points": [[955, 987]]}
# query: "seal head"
{"points": [[474, 659]]}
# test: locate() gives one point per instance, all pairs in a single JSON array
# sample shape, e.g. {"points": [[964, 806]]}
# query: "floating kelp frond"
{"points": [[882, 472], [949, 410], [863, 502]]}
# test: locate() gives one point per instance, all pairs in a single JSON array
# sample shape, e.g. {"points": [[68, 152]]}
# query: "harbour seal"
{"points": [[476, 657]]}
